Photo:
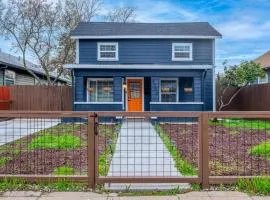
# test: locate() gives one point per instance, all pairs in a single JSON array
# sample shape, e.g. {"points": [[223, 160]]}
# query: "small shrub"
{"points": [[4, 160], [262, 149], [64, 170]]}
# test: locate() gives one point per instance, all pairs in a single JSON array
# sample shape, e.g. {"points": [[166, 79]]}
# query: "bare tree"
{"points": [[122, 14], [17, 22], [42, 28]]}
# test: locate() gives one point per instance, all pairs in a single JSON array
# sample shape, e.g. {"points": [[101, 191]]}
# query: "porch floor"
{"points": [[141, 152]]}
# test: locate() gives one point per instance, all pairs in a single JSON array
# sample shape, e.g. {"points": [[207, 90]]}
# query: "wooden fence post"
{"points": [[91, 150], [204, 153]]}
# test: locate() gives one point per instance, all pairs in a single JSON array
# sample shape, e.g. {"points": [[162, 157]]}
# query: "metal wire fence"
{"points": [[239, 147], [123, 147], [43, 145], [136, 146]]}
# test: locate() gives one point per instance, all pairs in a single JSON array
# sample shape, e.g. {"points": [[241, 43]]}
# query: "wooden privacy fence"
{"points": [[135, 147], [251, 98], [40, 98]]}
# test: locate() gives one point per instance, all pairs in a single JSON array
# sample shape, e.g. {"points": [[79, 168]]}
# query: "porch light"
{"points": [[188, 90], [124, 85]]}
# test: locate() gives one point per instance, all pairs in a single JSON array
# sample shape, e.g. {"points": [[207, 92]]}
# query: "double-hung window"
{"points": [[107, 51], [169, 90], [9, 77], [100, 90], [182, 51]]}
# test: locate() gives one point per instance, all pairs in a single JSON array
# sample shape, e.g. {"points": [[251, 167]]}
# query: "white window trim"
{"points": [[96, 79], [177, 89], [13, 74], [260, 79], [107, 43], [182, 59]]}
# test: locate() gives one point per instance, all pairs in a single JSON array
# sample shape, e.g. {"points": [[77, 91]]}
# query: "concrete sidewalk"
{"points": [[212, 195]]}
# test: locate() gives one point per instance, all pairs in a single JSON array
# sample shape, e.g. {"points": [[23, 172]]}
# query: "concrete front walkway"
{"points": [[141, 152], [11, 130], [213, 195]]}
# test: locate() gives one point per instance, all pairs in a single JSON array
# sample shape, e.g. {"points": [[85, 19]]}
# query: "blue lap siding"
{"points": [[148, 51]]}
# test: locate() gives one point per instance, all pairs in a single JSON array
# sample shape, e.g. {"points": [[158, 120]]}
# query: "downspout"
{"points": [[203, 87], [214, 76]]}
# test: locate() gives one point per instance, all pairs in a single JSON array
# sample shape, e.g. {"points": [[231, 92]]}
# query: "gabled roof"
{"points": [[144, 30], [16, 62], [264, 60]]}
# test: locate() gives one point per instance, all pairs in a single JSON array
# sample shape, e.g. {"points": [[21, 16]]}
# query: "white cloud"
{"points": [[242, 29]]}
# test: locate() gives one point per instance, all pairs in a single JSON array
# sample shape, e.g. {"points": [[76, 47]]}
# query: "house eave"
{"points": [[135, 66], [144, 37]]}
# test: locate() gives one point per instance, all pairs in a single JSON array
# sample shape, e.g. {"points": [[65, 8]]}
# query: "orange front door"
{"points": [[134, 94]]}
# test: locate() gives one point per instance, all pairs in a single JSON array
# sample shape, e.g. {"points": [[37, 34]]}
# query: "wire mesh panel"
{"points": [[239, 146], [146, 145], [43, 145]]}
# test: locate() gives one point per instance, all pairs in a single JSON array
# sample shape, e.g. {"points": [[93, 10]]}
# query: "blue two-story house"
{"points": [[144, 66]]}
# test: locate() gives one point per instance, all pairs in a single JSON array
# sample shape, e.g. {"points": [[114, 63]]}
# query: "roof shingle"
{"points": [[145, 29]]}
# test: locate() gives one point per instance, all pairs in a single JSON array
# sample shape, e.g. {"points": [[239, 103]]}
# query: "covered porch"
{"points": [[148, 90]]}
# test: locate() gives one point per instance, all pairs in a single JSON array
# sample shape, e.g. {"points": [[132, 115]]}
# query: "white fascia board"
{"points": [[145, 37], [135, 66]]}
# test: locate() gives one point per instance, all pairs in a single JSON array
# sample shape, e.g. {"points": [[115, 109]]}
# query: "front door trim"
{"points": [[141, 78]]}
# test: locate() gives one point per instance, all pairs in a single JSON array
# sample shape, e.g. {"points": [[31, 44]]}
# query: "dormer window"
{"points": [[107, 51], [182, 51]]}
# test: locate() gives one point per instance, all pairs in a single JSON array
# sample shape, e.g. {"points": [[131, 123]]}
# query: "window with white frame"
{"points": [[100, 90], [263, 80], [182, 51], [9, 77], [169, 90], [107, 51]]}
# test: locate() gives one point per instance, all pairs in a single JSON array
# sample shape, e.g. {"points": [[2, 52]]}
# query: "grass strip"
{"points": [[241, 123], [104, 159], [181, 164], [64, 170], [257, 185], [59, 186]]}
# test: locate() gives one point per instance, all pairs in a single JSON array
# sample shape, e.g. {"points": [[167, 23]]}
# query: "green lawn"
{"points": [[47, 141], [256, 185], [242, 123], [262, 149]]}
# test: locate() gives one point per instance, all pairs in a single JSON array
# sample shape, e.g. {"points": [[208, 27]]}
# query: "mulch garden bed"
{"points": [[228, 148], [23, 160]]}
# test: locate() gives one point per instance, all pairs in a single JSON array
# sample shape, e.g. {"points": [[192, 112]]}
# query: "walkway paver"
{"points": [[11, 130], [141, 152], [216, 195]]}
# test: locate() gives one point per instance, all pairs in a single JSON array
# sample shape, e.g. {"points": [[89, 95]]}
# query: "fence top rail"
{"points": [[148, 114], [239, 114], [44, 114]]}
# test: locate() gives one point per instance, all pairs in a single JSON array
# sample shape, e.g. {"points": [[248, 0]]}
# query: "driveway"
{"points": [[11, 130], [141, 152]]}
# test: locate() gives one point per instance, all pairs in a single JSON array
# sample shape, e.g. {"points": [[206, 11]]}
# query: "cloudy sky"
{"points": [[244, 24]]}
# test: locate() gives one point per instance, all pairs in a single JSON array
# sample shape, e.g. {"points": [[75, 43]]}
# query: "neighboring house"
{"points": [[264, 60], [144, 66], [12, 72]]}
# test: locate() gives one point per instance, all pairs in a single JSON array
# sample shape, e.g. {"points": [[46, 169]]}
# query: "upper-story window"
{"points": [[182, 51], [107, 51]]}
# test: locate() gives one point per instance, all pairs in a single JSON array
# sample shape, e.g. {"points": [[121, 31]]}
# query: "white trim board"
{"points": [[145, 37], [184, 103], [83, 102], [136, 66]]}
